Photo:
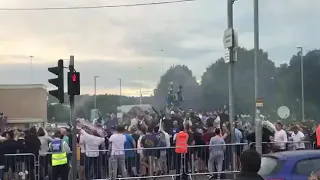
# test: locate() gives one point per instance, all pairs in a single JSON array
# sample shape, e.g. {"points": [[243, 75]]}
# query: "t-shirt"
{"points": [[117, 144], [66, 139], [128, 145], [281, 136], [298, 138]]}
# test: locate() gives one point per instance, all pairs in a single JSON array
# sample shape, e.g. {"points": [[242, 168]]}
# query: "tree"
{"points": [[214, 82], [311, 65], [278, 86], [178, 75]]}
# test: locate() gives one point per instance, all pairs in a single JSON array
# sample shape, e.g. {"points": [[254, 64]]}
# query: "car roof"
{"points": [[299, 154]]}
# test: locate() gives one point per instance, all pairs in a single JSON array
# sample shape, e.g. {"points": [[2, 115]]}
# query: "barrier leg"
{"points": [[184, 167]]}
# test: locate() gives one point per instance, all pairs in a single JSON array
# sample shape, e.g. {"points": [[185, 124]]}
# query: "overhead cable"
{"points": [[95, 7]]}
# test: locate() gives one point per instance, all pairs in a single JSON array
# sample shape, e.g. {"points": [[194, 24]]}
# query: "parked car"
{"points": [[290, 165]]}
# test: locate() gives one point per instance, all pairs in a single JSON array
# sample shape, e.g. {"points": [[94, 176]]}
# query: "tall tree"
{"points": [[215, 87]]}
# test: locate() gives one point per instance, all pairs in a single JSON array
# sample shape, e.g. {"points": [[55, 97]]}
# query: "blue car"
{"points": [[290, 165]]}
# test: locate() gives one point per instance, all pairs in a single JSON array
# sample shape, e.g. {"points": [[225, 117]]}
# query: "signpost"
{"points": [[283, 112], [227, 56], [228, 38], [259, 102], [258, 123]]}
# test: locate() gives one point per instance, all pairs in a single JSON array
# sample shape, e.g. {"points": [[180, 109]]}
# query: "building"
{"points": [[24, 105]]}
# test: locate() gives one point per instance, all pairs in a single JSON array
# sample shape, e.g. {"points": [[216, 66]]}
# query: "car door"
{"points": [[304, 168]]}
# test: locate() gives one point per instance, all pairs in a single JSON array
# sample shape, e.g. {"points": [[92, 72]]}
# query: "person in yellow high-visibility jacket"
{"points": [[59, 149]]}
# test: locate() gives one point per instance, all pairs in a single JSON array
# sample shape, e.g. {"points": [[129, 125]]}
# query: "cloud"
{"points": [[114, 42]]}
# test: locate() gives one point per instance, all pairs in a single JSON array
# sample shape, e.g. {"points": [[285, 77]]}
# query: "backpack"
{"points": [[162, 140]]}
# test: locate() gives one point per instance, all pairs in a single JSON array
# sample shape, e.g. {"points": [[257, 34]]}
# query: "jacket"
{"points": [[248, 176]]}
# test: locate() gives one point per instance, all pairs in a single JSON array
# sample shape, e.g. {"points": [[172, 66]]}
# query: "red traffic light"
{"points": [[74, 78]]}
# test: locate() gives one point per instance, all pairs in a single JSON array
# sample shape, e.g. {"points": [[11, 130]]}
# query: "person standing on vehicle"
{"points": [[59, 149], [250, 165]]}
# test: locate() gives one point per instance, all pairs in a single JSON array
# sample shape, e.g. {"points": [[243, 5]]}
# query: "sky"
{"points": [[138, 44]]}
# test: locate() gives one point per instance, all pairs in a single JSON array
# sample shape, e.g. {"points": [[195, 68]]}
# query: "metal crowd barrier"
{"points": [[270, 147], [20, 166], [214, 160], [144, 163]]}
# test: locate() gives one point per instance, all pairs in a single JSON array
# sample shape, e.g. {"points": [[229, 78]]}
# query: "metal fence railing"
{"points": [[145, 163], [214, 160], [20, 166], [284, 146]]}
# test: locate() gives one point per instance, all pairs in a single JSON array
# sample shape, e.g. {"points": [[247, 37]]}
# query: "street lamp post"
{"points": [[258, 121], [95, 91], [120, 92], [162, 69], [31, 68], [140, 69], [231, 80], [302, 80]]}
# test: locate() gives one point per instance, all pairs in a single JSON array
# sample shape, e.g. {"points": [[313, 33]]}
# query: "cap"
{"points": [[172, 112]]}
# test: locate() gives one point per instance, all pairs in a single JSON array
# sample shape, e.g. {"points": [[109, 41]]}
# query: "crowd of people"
{"points": [[201, 142]]}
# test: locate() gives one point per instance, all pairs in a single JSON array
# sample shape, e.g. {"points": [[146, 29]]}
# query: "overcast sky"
{"points": [[113, 42]]}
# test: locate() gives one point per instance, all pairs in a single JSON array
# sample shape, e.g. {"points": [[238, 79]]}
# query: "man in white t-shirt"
{"points": [[297, 136], [117, 157], [280, 138]]}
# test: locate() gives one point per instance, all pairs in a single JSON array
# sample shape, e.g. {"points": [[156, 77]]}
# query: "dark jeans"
{"points": [[61, 171], [44, 165], [95, 162]]}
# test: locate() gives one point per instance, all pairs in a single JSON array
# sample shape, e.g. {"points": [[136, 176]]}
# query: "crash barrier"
{"points": [[269, 147], [20, 166]]}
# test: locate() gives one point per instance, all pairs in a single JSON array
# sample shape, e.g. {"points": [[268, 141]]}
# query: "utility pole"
{"points": [[259, 101], [74, 126], [302, 81], [31, 69], [140, 69], [229, 42], [120, 92], [162, 69], [95, 91]]}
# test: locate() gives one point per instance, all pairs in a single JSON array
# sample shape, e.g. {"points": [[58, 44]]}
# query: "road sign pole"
{"points": [[231, 80], [257, 118], [74, 129]]}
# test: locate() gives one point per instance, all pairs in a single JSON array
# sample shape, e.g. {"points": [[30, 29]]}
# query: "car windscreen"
{"points": [[269, 165]]}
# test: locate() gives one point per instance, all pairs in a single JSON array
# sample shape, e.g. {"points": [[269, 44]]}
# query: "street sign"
{"points": [[283, 112], [228, 38], [227, 56], [259, 102]]}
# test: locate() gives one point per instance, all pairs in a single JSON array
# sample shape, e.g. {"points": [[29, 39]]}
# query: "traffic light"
{"points": [[73, 83], [58, 82]]}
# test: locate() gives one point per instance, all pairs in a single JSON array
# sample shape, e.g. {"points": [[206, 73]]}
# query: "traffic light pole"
{"points": [[74, 128]]}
